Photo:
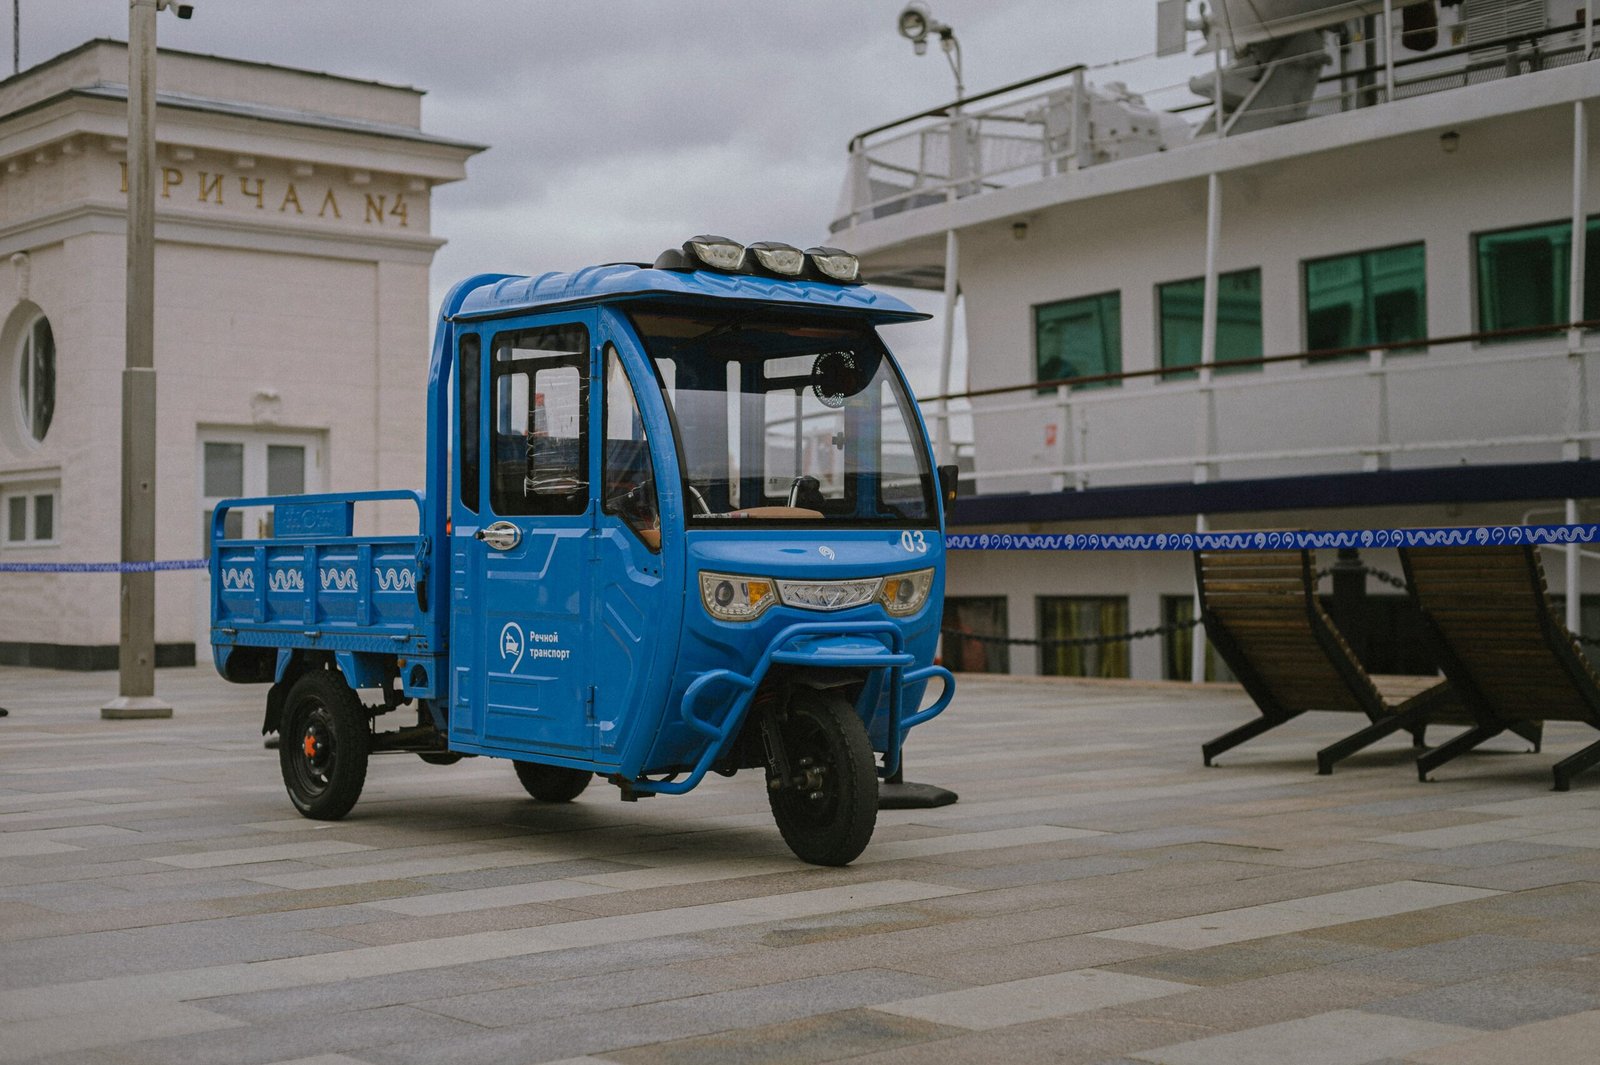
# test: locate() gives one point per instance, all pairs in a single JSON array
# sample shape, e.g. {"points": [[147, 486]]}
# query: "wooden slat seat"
{"points": [[1500, 642], [1261, 613]]}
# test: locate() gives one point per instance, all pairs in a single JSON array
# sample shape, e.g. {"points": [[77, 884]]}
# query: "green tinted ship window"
{"points": [[1180, 305], [1523, 275], [1079, 338], [1368, 298]]}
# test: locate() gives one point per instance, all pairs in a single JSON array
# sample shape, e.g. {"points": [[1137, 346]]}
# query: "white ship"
{"points": [[1345, 298]]}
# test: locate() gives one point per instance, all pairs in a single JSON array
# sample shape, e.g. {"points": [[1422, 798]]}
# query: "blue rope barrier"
{"points": [[101, 567], [1281, 539], [1277, 539]]}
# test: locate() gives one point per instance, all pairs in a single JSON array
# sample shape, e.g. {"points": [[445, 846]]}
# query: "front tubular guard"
{"points": [[833, 645]]}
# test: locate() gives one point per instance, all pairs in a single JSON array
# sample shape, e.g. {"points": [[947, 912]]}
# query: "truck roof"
{"points": [[618, 281]]}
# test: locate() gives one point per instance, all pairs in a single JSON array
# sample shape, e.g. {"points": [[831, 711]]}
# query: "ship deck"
{"points": [[1096, 896]]}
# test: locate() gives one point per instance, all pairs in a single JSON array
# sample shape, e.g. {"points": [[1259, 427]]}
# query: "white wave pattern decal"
{"points": [[395, 579], [338, 580], [287, 580], [1277, 539], [239, 580]]}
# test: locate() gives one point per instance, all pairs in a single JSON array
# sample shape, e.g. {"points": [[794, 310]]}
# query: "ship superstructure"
{"points": [[1349, 297]]}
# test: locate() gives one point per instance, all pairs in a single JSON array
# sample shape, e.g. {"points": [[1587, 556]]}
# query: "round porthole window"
{"points": [[36, 384], [27, 377]]}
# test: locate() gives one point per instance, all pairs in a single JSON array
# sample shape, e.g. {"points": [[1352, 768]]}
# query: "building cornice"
{"points": [[176, 226]]}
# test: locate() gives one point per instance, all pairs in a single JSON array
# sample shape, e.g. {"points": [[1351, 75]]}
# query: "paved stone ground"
{"points": [[1096, 896]]}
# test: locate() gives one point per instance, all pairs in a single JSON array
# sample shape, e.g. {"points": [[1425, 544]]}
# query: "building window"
{"points": [[972, 617], [1366, 299], [1080, 617], [1079, 338], [1181, 306], [1524, 274], [30, 515], [1177, 647], [34, 379]]}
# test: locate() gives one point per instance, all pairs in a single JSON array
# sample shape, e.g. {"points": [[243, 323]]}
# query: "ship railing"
{"points": [[1039, 127], [1089, 431]]}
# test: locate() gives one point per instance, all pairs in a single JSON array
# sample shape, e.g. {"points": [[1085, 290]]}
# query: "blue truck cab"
{"points": [[678, 518]]}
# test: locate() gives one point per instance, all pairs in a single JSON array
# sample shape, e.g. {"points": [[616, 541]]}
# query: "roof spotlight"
{"points": [[914, 21], [719, 253], [776, 257], [835, 265], [917, 22]]}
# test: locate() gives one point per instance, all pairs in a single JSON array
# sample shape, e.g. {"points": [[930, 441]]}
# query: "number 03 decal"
{"points": [[914, 541]]}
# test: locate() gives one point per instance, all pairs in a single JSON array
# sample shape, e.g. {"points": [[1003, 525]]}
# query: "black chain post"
{"points": [[1349, 607]]}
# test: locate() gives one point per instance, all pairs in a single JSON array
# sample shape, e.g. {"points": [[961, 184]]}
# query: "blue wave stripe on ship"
{"points": [[1278, 539]]}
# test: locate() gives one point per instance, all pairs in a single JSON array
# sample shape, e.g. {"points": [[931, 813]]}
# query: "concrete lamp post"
{"points": [[136, 660]]}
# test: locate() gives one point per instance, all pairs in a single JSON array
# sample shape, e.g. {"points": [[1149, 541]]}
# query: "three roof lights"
{"points": [[765, 257]]}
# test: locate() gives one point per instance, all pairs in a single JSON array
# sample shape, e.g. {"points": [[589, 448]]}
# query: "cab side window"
{"points": [[630, 488], [541, 449]]}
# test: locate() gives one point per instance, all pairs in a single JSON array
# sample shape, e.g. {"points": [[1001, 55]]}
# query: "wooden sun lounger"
{"points": [[1261, 613], [1506, 652]]}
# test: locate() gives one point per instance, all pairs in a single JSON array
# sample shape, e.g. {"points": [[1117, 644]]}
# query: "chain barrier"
{"points": [[1076, 641], [1370, 571]]}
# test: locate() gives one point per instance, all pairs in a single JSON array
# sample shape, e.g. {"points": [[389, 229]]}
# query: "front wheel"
{"points": [[828, 807], [323, 746], [552, 783]]}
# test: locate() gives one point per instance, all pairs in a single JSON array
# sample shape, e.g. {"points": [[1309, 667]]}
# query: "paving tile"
{"points": [[25, 1039], [1497, 1002], [1296, 915], [255, 855], [68, 998], [1301, 993], [1569, 1040], [830, 1037], [429, 905], [1342, 1037], [1038, 998], [1461, 960], [1249, 960]]}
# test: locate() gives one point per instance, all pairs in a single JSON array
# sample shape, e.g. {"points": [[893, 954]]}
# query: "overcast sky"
{"points": [[618, 128]]}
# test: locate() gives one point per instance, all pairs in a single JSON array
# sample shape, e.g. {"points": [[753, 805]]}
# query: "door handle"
{"points": [[502, 535]]}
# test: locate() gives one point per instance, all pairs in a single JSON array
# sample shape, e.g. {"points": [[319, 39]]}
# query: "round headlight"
{"points": [[724, 594]]}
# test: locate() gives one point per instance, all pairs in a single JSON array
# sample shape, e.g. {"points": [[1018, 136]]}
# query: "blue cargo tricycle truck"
{"points": [[678, 519]]}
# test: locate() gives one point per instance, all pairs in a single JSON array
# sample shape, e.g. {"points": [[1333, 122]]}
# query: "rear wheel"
{"points": [[552, 783], [323, 751], [828, 807]]}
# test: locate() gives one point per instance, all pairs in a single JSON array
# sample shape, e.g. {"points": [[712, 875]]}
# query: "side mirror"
{"points": [[949, 476]]}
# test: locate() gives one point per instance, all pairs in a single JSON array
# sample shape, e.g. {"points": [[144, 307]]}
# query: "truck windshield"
{"points": [[788, 419]]}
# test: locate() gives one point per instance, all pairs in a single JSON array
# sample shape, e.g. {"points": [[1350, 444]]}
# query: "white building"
{"points": [[1380, 190], [294, 238]]}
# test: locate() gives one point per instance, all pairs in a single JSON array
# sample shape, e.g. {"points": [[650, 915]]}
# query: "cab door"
{"points": [[636, 599], [521, 557]]}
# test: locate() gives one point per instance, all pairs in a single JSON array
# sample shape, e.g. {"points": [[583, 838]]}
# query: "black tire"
{"points": [[325, 740], [552, 783], [828, 819]]}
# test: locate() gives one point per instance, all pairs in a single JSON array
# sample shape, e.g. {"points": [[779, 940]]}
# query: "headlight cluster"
{"points": [[770, 257], [732, 598]]}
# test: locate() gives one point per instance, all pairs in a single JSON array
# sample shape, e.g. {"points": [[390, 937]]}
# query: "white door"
{"points": [[250, 462]]}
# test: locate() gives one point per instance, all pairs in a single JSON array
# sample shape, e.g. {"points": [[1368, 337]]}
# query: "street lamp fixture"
{"points": [[917, 23]]}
